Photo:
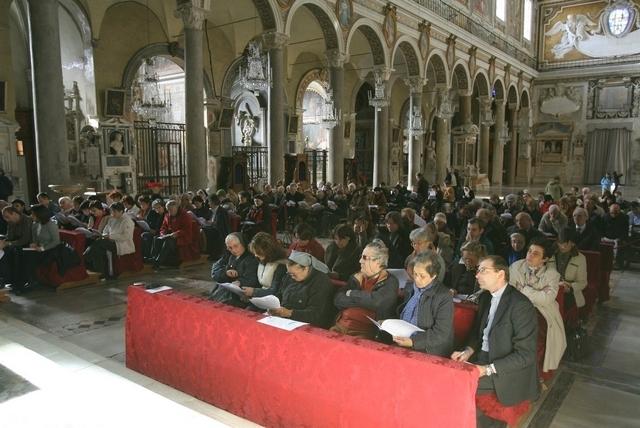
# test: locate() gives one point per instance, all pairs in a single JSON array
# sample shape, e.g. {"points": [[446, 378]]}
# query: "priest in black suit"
{"points": [[502, 342]]}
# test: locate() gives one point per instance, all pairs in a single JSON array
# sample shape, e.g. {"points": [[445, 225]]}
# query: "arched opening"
{"points": [[363, 161], [168, 87]]}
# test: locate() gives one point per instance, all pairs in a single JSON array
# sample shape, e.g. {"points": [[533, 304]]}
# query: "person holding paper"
{"points": [[342, 255], [117, 240], [272, 266], [502, 342], [237, 265], [45, 238], [372, 293], [306, 292], [428, 305], [175, 239]]}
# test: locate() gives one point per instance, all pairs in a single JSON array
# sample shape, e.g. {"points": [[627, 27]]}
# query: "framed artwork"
{"points": [[114, 102], [3, 96], [424, 43], [293, 124], [226, 118], [389, 26], [344, 12]]}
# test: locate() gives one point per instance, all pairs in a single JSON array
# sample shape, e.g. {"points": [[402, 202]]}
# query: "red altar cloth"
{"points": [[305, 378]]}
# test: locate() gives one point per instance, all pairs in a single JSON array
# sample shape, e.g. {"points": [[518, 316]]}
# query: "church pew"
{"points": [[306, 377], [606, 251], [130, 262]]}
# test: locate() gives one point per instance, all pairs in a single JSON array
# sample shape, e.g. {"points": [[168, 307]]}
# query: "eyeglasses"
{"points": [[483, 269], [367, 258]]}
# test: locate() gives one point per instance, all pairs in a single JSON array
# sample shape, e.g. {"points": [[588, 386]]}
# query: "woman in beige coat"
{"points": [[539, 281], [572, 267]]}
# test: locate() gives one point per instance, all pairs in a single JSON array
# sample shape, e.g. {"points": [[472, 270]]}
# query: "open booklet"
{"points": [[62, 218], [394, 327], [233, 287], [282, 323], [266, 302]]}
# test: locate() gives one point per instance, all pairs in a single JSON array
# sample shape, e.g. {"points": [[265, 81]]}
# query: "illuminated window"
{"points": [[501, 10], [528, 12]]}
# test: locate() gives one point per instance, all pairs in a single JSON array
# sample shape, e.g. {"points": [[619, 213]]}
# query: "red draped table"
{"points": [[305, 378]]}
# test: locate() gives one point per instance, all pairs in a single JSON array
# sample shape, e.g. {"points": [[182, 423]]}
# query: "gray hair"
{"points": [[554, 208], [234, 236], [475, 248], [380, 252], [429, 259], [157, 202], [420, 234], [440, 216]]}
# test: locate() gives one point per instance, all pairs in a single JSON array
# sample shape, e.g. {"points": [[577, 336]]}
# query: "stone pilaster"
{"points": [[498, 145], [486, 121], [415, 84]]}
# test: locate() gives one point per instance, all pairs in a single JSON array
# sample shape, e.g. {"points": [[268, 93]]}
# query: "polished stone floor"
{"points": [[62, 350]]}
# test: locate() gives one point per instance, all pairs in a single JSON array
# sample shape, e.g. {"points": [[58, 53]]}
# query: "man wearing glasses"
{"points": [[502, 342]]}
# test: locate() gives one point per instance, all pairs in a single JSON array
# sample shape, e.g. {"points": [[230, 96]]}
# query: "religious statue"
{"points": [[116, 145], [247, 124], [574, 29]]}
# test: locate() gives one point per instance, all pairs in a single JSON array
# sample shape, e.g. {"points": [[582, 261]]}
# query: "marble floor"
{"points": [[63, 354]]}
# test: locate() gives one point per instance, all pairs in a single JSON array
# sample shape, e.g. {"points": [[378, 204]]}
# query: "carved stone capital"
{"points": [[335, 58], [192, 16], [415, 83], [381, 74], [274, 40]]}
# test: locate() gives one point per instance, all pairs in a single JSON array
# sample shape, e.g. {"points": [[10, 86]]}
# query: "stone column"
{"points": [[443, 135], [513, 146], [381, 164], [465, 109], [193, 18], [415, 84], [486, 120], [274, 43], [498, 145], [335, 170], [51, 137]]}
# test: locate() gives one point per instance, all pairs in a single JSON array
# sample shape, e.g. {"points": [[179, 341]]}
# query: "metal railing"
{"points": [[478, 29]]}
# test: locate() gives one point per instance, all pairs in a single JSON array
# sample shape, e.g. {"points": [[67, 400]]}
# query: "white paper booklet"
{"points": [[401, 275], [266, 302], [395, 327], [282, 323], [233, 287], [158, 289]]}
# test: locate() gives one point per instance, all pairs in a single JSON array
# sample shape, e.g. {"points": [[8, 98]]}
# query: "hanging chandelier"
{"points": [[147, 101], [331, 115], [378, 98], [256, 75]]}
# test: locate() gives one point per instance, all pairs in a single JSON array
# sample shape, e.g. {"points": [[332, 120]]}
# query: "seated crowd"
{"points": [[523, 250]]}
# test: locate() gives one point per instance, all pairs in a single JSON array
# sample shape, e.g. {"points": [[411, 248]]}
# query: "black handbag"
{"points": [[577, 343]]}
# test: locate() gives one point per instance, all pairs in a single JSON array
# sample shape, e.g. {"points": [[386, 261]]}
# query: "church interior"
{"points": [[411, 101]]}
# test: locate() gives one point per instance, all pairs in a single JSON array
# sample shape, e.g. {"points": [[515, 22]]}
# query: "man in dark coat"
{"points": [[6, 186], [502, 342]]}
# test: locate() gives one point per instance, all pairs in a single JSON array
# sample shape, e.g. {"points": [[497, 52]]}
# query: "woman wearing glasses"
{"points": [[428, 305], [372, 292]]}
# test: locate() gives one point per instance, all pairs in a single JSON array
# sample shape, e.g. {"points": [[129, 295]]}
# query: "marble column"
{"points": [[415, 84], [443, 135], [50, 125], [513, 146], [498, 145], [193, 19], [465, 109], [335, 170], [274, 43], [381, 165], [486, 120]]}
